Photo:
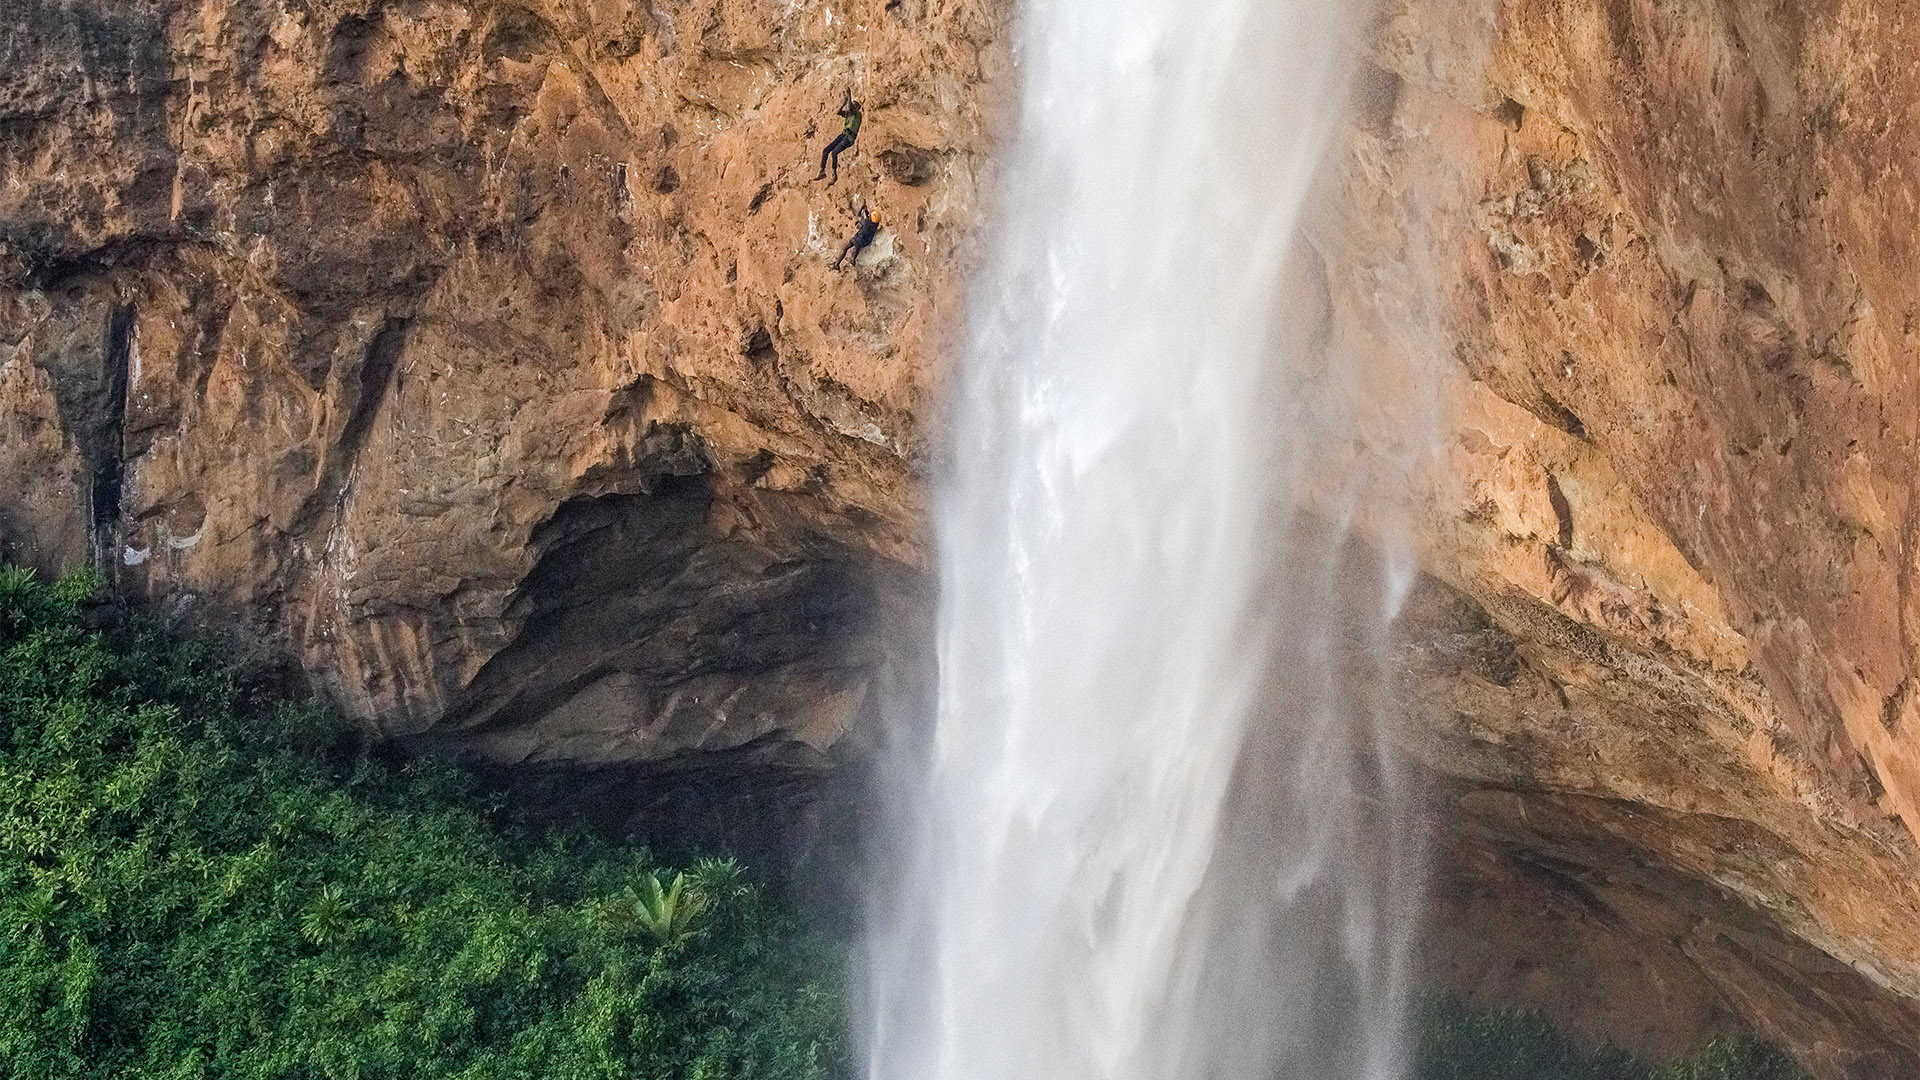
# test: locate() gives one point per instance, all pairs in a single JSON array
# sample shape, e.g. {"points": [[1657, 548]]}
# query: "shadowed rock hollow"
{"points": [[484, 358]]}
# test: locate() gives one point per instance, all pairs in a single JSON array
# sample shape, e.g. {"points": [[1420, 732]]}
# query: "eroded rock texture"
{"points": [[484, 356], [1665, 661]]}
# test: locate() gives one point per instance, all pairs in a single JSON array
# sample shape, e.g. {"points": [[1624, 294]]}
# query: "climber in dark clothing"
{"points": [[851, 111], [869, 226]]}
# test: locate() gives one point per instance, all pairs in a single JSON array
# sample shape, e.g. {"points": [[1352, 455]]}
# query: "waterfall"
{"points": [[1162, 833]]}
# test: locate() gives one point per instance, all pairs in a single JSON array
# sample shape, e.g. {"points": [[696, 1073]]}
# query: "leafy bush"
{"points": [[195, 881], [1458, 1043], [670, 916], [1735, 1059]]}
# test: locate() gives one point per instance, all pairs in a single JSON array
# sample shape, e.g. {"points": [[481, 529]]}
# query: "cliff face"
{"points": [[1669, 649], [485, 357]]}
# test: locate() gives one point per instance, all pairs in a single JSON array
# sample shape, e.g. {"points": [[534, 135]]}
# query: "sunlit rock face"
{"points": [[1665, 660], [484, 358]]}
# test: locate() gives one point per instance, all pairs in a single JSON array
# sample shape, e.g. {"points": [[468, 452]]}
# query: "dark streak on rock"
{"points": [[1894, 705], [105, 467], [367, 393], [1562, 511]]}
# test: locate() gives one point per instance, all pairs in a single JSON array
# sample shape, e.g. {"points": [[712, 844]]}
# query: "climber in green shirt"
{"points": [[851, 110]]}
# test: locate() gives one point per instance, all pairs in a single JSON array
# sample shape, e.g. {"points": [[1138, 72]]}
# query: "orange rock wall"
{"points": [[370, 324]]}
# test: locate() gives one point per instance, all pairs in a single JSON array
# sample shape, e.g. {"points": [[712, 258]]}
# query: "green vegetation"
{"points": [[1457, 1043], [669, 916], [199, 880]]}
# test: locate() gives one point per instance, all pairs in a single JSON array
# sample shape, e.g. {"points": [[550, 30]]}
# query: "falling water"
{"points": [[1164, 836]]}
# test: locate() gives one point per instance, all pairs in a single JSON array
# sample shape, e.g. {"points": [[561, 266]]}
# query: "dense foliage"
{"points": [[1457, 1043], [199, 880], [194, 884]]}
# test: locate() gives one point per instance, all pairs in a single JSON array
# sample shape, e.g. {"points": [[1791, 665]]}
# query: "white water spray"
{"points": [[1165, 836]]}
